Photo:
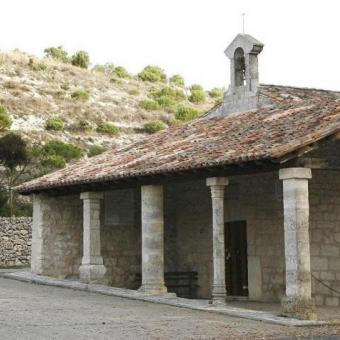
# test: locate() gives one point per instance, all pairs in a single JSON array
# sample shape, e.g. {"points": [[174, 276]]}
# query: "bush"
{"points": [[170, 92], [149, 105], [81, 59], [5, 120], [196, 87], [177, 80], [96, 150], [154, 126], [107, 128], [85, 125], [55, 124], [121, 72], [57, 53], [197, 96], [80, 95], [133, 92], [153, 74], [185, 113], [64, 150], [216, 92], [53, 162]]}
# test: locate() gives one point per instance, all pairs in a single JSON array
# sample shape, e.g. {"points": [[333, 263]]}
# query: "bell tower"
{"points": [[242, 94], [242, 53]]}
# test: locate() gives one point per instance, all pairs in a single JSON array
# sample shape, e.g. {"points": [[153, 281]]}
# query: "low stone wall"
{"points": [[15, 241]]}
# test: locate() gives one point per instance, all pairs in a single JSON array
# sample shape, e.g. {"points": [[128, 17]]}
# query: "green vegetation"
{"points": [[154, 126], [121, 72], [80, 94], [53, 162], [5, 119], [81, 59], [216, 92], [197, 94], [177, 80], [57, 53], [36, 66], [168, 97], [153, 74], [96, 150], [134, 92], [108, 68], [55, 124], [56, 150], [85, 125], [149, 105], [186, 113], [14, 158], [108, 128]]}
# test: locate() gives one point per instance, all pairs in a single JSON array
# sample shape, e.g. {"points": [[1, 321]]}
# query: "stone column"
{"points": [[298, 301], [92, 268], [37, 256], [217, 185], [152, 240]]}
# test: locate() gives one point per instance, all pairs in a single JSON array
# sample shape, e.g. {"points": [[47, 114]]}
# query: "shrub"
{"points": [[108, 68], [108, 128], [216, 92], [196, 87], [121, 72], [116, 81], [177, 80], [96, 150], [80, 95], [154, 126], [53, 162], [133, 92], [85, 125], [197, 96], [5, 120], [57, 53], [170, 92], [153, 74], [65, 86], [149, 105], [64, 150], [81, 59], [167, 103], [36, 66], [185, 113], [55, 124]]}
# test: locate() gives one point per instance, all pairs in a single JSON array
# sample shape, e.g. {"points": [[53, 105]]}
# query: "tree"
{"points": [[81, 59], [14, 158]]}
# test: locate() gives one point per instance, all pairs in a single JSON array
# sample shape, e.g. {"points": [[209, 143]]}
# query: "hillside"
{"points": [[33, 90]]}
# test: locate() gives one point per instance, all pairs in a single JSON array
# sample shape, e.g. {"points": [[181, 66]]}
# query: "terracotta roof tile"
{"points": [[298, 117]]}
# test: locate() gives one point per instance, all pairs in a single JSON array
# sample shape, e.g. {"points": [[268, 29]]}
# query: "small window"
{"points": [[119, 208], [240, 67]]}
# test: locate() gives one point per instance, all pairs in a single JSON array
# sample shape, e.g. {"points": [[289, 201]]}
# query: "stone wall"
{"points": [[57, 235], [15, 241], [325, 235]]}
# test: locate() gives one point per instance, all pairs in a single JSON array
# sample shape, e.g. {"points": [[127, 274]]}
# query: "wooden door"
{"points": [[236, 258]]}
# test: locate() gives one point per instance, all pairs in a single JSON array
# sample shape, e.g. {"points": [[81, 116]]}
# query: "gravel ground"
{"points": [[39, 312]]}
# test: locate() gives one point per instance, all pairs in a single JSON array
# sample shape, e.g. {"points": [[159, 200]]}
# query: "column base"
{"points": [[151, 289], [219, 295], [299, 307], [92, 273]]}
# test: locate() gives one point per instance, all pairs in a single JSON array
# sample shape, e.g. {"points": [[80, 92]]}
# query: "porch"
{"points": [[180, 226]]}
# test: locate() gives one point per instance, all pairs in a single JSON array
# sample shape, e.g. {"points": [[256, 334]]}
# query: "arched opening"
{"points": [[240, 67]]}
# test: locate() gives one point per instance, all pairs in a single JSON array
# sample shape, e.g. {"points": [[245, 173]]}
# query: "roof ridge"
{"points": [[299, 88]]}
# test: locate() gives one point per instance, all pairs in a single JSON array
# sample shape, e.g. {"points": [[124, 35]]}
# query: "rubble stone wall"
{"points": [[15, 241]]}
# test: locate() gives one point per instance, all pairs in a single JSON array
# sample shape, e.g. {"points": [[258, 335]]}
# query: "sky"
{"points": [[187, 37]]}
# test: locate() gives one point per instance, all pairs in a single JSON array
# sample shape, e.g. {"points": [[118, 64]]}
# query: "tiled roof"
{"points": [[298, 117]]}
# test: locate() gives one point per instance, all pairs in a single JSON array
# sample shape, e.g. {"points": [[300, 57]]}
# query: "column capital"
{"points": [[217, 181], [295, 173], [91, 195]]}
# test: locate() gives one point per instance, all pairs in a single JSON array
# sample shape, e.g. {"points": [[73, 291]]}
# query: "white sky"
{"points": [[301, 37]]}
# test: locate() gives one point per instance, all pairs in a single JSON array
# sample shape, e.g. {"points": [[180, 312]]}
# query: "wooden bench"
{"points": [[184, 284]]}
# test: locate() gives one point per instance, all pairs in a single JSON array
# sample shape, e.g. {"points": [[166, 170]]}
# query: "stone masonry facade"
{"points": [[15, 241], [256, 199]]}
